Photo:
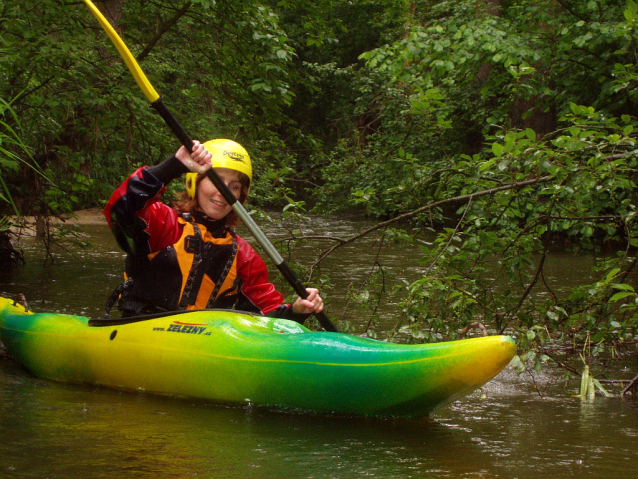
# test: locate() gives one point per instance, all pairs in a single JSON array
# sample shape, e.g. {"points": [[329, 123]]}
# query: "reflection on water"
{"points": [[56, 430], [77, 283], [556, 436], [90, 432], [72, 431]]}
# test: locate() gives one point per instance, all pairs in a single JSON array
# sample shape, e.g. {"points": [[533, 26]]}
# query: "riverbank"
{"points": [[90, 216]]}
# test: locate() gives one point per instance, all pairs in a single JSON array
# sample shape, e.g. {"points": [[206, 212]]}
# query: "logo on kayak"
{"points": [[189, 328]]}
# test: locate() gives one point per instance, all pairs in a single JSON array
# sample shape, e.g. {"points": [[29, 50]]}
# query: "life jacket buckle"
{"points": [[192, 244]]}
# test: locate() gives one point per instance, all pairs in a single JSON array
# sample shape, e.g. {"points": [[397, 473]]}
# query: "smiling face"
{"points": [[211, 201]]}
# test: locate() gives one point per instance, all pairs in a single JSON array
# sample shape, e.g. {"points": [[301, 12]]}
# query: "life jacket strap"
{"points": [[115, 295], [194, 244], [224, 274]]}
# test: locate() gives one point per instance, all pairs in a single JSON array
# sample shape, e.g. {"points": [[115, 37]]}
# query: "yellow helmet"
{"points": [[226, 154]]}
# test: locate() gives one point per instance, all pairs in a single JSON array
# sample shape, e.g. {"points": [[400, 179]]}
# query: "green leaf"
{"points": [[584, 383], [601, 388], [619, 296], [611, 275]]}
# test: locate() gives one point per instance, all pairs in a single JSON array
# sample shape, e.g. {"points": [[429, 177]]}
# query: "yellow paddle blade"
{"points": [[130, 61]]}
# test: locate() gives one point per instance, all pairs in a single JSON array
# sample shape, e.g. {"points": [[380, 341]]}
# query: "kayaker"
{"points": [[189, 256]]}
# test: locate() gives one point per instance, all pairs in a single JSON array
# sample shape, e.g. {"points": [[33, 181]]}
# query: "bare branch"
{"points": [[418, 211], [165, 27]]}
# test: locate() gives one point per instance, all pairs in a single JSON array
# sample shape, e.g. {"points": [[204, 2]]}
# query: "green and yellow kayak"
{"points": [[233, 358]]}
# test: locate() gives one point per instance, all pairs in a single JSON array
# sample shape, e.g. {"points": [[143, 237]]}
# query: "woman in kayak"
{"points": [[189, 256]]}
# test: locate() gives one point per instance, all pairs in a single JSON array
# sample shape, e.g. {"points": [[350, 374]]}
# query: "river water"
{"points": [[511, 428]]}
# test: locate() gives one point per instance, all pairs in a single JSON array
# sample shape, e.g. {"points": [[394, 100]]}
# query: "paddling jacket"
{"points": [[184, 262]]}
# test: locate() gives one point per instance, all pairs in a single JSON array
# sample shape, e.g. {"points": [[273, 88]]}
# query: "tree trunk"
{"points": [[525, 112], [112, 11]]}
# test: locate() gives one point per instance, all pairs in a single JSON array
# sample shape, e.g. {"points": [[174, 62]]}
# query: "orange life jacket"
{"points": [[198, 271]]}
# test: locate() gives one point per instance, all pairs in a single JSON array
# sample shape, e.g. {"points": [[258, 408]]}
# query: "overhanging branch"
{"points": [[418, 211]]}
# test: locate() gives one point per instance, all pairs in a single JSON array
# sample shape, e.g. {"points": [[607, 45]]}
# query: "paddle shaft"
{"points": [[156, 102]]}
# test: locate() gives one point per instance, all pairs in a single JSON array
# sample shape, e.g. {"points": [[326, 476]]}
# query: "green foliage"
{"points": [[460, 73], [588, 386], [11, 150], [253, 71], [491, 266], [519, 129], [83, 114]]}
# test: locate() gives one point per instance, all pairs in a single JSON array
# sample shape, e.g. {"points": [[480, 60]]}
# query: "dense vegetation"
{"points": [[501, 126]]}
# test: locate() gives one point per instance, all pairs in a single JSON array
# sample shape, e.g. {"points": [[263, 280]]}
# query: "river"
{"points": [[508, 429]]}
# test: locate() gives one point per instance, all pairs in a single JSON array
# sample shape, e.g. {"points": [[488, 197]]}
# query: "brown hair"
{"points": [[186, 204]]}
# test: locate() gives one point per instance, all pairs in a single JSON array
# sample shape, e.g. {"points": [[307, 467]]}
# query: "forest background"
{"points": [[500, 126]]}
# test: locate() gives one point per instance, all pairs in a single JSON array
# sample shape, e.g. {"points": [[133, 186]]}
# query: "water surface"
{"points": [[505, 430]]}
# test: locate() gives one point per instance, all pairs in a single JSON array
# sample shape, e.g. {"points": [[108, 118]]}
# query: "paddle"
{"points": [[156, 102]]}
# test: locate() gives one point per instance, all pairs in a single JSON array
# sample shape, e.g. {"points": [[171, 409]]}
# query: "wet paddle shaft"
{"points": [[156, 102]]}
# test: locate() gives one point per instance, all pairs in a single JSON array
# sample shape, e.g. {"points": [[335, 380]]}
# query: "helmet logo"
{"points": [[233, 155]]}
